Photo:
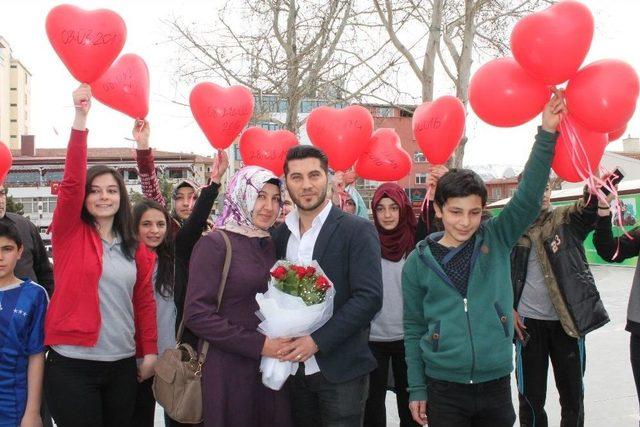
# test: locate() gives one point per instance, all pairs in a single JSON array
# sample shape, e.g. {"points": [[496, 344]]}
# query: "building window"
{"points": [[236, 152], [14, 120], [13, 88], [418, 157], [14, 66], [368, 184], [270, 125], [14, 136], [13, 105], [283, 106], [496, 193], [421, 178], [177, 173], [307, 106], [512, 191], [385, 112]]}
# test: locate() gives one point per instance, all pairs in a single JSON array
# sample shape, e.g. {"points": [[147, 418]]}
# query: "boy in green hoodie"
{"points": [[458, 295]]}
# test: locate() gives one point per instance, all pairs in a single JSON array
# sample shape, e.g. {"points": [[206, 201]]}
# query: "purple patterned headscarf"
{"points": [[240, 198]]}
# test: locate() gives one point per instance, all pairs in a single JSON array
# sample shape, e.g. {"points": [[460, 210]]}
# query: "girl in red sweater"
{"points": [[102, 314]]}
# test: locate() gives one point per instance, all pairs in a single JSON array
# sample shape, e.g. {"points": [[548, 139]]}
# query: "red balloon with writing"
{"points": [[342, 134], [125, 86], [438, 127], [86, 41], [221, 112], [267, 149], [384, 159]]}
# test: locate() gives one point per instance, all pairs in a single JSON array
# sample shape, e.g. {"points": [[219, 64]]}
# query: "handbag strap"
{"points": [[223, 283]]}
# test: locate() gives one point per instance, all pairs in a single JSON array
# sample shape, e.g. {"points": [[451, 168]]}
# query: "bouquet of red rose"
{"points": [[298, 302]]}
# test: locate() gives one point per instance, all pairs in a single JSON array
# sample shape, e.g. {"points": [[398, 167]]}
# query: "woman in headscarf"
{"points": [[396, 225], [233, 393]]}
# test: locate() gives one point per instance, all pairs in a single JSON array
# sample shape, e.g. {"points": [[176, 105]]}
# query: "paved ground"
{"points": [[610, 395]]}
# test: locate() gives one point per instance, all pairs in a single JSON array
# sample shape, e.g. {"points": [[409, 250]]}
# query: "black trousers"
{"points": [[86, 393], [145, 407], [634, 352], [317, 402], [550, 342], [485, 404], [387, 354]]}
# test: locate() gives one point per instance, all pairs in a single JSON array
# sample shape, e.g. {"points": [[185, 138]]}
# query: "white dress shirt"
{"points": [[300, 250]]}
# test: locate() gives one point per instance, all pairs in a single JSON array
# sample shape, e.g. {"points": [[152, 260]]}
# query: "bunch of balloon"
{"points": [[548, 49], [88, 43]]}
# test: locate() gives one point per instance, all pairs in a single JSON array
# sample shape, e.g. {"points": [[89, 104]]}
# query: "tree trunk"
{"points": [[433, 45]]}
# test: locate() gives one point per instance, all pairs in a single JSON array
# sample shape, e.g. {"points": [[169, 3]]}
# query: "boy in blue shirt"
{"points": [[23, 304]]}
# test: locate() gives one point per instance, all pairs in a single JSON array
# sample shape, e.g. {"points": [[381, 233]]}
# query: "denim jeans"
{"points": [[317, 402], [485, 404]]}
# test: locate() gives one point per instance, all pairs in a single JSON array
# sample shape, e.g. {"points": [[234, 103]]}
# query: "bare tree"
{"points": [[294, 50], [458, 31]]}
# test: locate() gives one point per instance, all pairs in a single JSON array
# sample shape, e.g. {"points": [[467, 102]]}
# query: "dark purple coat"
{"points": [[233, 393]]}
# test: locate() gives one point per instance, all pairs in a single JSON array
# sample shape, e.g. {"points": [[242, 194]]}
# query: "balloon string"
{"points": [[425, 207]]}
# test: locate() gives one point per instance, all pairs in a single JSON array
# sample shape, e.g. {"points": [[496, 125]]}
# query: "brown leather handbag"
{"points": [[177, 382]]}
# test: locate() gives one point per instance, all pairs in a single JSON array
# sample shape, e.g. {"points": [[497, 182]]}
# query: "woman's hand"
{"points": [[220, 166], [271, 346], [82, 102], [145, 370], [553, 111], [141, 132]]}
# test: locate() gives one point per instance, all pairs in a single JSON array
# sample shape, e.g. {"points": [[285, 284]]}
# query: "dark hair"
{"points": [[122, 223], [164, 277], [300, 152], [11, 232], [460, 183]]}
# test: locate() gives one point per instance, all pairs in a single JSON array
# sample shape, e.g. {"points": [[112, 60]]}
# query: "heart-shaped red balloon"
{"points": [[384, 159], [552, 44], [221, 112], [502, 94], [6, 160], [342, 134], [267, 149], [569, 165], [603, 95], [438, 127], [87, 41], [125, 86], [612, 136]]}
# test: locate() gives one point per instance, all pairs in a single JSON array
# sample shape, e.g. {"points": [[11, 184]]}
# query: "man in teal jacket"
{"points": [[458, 295]]}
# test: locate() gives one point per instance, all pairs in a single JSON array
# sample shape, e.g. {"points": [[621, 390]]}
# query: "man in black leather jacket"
{"points": [[556, 303]]}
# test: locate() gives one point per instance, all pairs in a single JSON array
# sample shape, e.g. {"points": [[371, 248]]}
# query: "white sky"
{"points": [[173, 128]]}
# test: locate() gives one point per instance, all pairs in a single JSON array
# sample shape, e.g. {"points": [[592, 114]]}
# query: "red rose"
{"points": [[322, 284], [279, 273], [300, 271], [310, 271]]}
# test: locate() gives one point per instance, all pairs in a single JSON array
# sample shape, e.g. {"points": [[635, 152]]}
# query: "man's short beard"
{"points": [[321, 200]]}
